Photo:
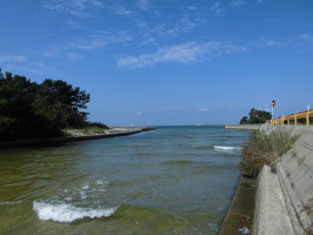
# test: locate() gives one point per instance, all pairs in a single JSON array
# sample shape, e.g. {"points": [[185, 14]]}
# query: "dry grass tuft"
{"points": [[264, 149]]}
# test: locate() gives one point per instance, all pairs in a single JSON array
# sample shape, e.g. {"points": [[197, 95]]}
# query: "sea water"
{"points": [[173, 180]]}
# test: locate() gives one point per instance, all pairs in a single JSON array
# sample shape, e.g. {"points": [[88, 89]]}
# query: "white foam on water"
{"points": [[101, 190], [68, 198], [227, 148], [67, 213], [10, 203], [102, 182], [214, 227], [86, 186], [83, 195]]}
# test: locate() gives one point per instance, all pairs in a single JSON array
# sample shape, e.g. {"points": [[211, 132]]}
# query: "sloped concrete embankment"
{"points": [[284, 199]]}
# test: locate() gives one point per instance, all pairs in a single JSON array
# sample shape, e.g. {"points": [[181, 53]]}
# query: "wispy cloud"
{"points": [[138, 114], [78, 8], [97, 3], [190, 52], [143, 4], [304, 42], [237, 3], [186, 24], [259, 1], [217, 10], [74, 56], [17, 64], [167, 30], [12, 59], [73, 25], [266, 43], [121, 10], [141, 24], [95, 40], [203, 110]]}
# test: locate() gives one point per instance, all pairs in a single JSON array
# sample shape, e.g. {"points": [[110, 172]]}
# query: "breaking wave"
{"points": [[62, 212], [227, 148]]}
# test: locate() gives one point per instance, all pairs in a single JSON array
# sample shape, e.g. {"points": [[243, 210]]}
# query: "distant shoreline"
{"points": [[113, 132], [210, 125]]}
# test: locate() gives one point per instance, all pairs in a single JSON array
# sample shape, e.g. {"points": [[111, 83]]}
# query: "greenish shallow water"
{"points": [[168, 181]]}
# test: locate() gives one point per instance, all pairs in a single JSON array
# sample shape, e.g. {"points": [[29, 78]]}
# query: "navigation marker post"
{"points": [[273, 105]]}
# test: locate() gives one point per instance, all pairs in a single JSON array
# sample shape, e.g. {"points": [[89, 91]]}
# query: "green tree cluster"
{"points": [[32, 110], [256, 116]]}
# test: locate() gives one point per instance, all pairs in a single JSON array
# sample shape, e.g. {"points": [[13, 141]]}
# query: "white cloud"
{"points": [[80, 8], [164, 31], [266, 43], [203, 110], [149, 41], [138, 114], [143, 4], [74, 56], [94, 40], [23, 69], [304, 42], [186, 24], [259, 1], [121, 10], [237, 3], [141, 24], [190, 52], [73, 25], [29, 67], [217, 10], [12, 59], [97, 3]]}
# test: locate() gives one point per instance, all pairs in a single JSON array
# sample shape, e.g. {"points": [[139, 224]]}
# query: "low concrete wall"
{"points": [[243, 126], [284, 202]]}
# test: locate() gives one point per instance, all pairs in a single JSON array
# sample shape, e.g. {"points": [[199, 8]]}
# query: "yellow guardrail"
{"points": [[295, 117]]}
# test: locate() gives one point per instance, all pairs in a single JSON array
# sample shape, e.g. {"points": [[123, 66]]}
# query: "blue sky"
{"points": [[166, 62]]}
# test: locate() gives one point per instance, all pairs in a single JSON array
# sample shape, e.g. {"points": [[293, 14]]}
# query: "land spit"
{"points": [[109, 133]]}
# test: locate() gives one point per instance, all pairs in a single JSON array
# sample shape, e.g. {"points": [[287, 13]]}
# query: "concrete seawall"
{"points": [[284, 199], [243, 126], [33, 142]]}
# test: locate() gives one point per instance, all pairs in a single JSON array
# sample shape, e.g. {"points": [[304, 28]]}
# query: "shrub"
{"points": [[264, 148], [97, 124]]}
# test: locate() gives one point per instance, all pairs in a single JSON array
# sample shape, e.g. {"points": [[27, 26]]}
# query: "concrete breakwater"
{"points": [[113, 132], [284, 195], [243, 126], [284, 199]]}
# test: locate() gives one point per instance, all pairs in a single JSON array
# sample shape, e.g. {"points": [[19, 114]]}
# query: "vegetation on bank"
{"points": [[38, 110], [264, 149], [256, 116], [88, 130]]}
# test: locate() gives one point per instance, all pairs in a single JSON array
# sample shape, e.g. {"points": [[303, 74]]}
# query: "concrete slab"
{"points": [[271, 216], [241, 210]]}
